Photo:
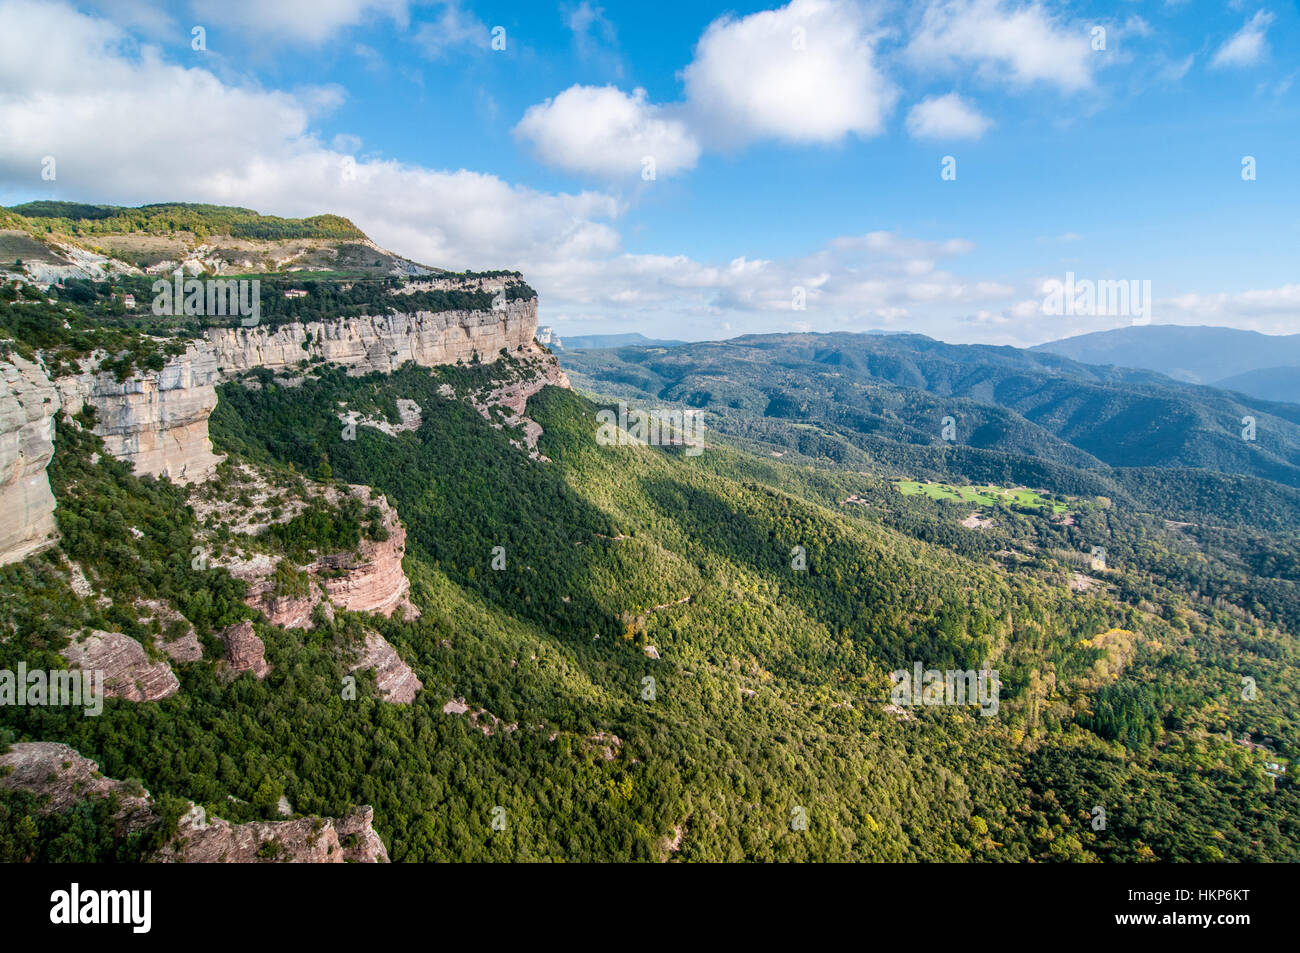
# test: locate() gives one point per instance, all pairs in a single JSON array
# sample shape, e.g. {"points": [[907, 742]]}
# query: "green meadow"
{"points": [[981, 495]]}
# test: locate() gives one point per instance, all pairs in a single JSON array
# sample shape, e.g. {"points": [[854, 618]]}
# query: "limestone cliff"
{"points": [[155, 420], [65, 778], [158, 420], [28, 404], [380, 342]]}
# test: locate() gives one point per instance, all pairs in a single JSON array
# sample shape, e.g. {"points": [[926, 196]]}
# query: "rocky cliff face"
{"points": [[369, 579], [393, 677], [66, 778], [28, 403], [308, 840], [380, 342], [245, 652], [156, 421], [128, 673]]}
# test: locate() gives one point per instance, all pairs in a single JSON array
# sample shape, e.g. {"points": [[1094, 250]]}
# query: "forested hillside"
{"points": [[1120, 687], [844, 397]]}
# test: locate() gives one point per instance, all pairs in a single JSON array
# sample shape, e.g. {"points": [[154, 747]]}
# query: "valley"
{"points": [[369, 572]]}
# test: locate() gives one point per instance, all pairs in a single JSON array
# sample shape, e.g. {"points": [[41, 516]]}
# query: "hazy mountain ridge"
{"points": [[902, 387], [1261, 365]]}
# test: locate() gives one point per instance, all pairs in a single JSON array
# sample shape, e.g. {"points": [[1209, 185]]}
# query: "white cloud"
{"points": [[302, 21], [1248, 45], [946, 117], [453, 28], [851, 283], [1174, 70], [1270, 310], [591, 29], [806, 72], [1021, 43], [196, 138], [604, 131], [803, 73]]}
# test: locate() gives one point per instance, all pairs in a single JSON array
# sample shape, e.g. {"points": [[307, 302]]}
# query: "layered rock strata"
{"points": [[128, 672], [28, 405], [157, 420], [393, 677], [380, 342]]}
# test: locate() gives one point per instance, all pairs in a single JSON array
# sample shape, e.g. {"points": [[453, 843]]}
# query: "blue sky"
{"points": [[795, 146]]}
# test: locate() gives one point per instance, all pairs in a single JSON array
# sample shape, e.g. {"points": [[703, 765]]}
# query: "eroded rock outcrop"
{"points": [[60, 774], [369, 579], [394, 679], [155, 420], [245, 652], [128, 672], [28, 404], [373, 580], [380, 342], [179, 646], [534, 372], [63, 778], [307, 840]]}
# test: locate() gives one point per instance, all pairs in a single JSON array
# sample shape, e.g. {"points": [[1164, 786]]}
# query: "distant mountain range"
{"points": [[1261, 365], [842, 395], [583, 342]]}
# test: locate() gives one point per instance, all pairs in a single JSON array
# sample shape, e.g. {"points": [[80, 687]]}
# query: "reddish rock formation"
{"points": [[536, 371], [393, 677], [47, 769], [368, 580], [308, 840], [128, 673], [358, 839], [244, 650], [66, 778], [376, 581]]}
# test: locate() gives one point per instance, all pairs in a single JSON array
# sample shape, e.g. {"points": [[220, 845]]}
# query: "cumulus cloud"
{"points": [[197, 138], [1021, 43], [946, 117], [604, 131], [806, 72], [1247, 46]]}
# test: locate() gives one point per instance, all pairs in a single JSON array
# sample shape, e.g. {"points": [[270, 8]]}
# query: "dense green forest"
{"points": [[72, 218], [768, 700]]}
